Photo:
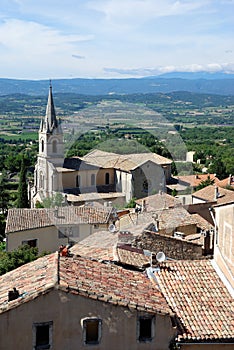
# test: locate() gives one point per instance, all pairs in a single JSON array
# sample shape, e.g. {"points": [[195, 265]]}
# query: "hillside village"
{"points": [[158, 275]]}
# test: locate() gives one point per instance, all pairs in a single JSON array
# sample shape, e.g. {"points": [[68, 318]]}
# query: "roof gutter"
{"points": [[179, 345]]}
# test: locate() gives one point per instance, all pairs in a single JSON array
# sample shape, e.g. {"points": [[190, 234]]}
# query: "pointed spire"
{"points": [[50, 117]]}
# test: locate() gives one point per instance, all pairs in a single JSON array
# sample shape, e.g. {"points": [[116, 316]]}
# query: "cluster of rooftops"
{"points": [[190, 292]]}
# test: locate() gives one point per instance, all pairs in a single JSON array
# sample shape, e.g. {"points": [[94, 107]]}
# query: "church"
{"points": [[105, 177]]}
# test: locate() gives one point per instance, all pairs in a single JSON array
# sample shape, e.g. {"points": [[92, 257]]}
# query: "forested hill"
{"points": [[215, 84]]}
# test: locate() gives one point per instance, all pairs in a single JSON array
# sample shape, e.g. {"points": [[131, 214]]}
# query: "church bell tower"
{"points": [[51, 145], [51, 154]]}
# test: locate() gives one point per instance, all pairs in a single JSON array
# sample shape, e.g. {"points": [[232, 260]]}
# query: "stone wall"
{"points": [[173, 248]]}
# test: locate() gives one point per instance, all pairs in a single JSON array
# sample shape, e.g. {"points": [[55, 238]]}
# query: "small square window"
{"points": [[145, 328], [42, 335], [91, 330], [31, 242]]}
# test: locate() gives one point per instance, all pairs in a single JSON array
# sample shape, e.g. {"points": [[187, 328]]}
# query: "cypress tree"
{"points": [[22, 201]]}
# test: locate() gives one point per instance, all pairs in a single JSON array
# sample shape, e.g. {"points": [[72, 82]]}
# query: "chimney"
{"points": [[206, 242], [216, 194], [157, 225], [56, 212], [13, 294], [153, 260], [229, 179]]}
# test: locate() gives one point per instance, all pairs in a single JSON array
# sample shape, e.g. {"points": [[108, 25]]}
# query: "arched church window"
{"points": [[78, 182], [42, 145], [93, 180], [54, 146], [41, 180], [107, 178]]}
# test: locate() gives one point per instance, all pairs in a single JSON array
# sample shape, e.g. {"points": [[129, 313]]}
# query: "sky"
{"points": [[48, 39]]}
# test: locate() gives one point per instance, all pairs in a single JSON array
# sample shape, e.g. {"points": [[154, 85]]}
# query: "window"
{"points": [[93, 180], [78, 182], [91, 330], [42, 146], [145, 328], [41, 180], [31, 242], [107, 178], [54, 146], [42, 335]]}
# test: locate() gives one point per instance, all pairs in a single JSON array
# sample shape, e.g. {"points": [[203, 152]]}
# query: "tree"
{"points": [[54, 201], [217, 167], [131, 203], [4, 195], [4, 200], [22, 200], [205, 183], [11, 260]]}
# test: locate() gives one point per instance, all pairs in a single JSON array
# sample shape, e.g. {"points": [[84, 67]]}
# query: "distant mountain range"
{"points": [[200, 82]]}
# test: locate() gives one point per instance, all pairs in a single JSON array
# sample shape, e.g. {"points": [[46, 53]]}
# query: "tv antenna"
{"points": [[112, 228], [160, 257]]}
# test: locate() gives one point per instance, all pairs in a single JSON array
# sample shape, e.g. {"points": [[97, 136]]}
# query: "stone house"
{"points": [[78, 303], [224, 244], [201, 300], [49, 228], [213, 194], [70, 302]]}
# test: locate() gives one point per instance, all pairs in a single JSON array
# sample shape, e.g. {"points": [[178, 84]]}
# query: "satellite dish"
{"points": [[112, 228], [160, 257]]}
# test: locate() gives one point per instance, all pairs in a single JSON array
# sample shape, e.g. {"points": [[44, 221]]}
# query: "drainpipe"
{"points": [[215, 224]]}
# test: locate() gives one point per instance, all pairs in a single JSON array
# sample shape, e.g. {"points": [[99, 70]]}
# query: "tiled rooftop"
{"points": [[198, 297], [158, 201], [25, 219], [190, 289], [208, 194], [195, 180], [104, 245], [168, 218], [99, 246], [85, 277], [30, 280], [112, 284], [229, 181], [128, 255], [126, 162], [201, 222]]}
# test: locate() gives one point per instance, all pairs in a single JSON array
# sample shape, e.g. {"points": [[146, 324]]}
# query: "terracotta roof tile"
{"points": [[198, 297], [201, 222], [30, 280], [158, 201], [99, 246], [167, 217], [127, 255], [229, 181], [85, 277], [25, 219], [113, 284], [126, 162], [208, 194], [196, 179]]}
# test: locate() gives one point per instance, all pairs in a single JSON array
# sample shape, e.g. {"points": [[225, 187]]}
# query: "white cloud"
{"points": [[141, 10], [29, 46], [211, 67]]}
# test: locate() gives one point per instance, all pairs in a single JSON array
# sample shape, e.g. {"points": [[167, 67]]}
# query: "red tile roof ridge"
{"points": [[112, 283]]}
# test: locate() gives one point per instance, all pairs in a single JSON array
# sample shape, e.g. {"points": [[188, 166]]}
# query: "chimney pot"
{"points": [[13, 294]]}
